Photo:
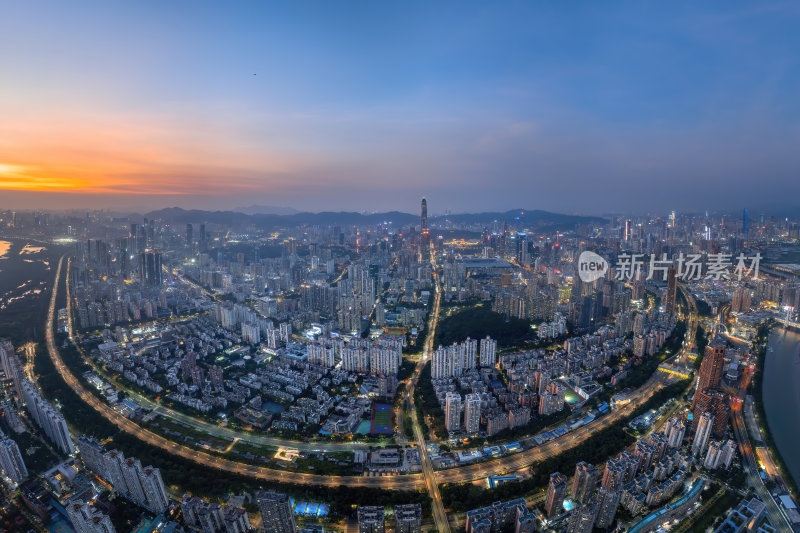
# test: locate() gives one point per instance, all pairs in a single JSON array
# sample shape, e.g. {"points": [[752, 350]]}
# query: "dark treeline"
{"points": [[478, 322]]}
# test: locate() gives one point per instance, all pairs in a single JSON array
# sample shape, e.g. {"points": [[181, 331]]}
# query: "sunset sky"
{"points": [[564, 106]]}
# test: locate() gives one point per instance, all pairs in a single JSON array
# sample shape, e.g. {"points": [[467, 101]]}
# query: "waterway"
{"points": [[26, 273], [782, 395]]}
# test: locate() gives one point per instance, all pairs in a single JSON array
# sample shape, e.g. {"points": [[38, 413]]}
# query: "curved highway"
{"points": [[258, 472]]}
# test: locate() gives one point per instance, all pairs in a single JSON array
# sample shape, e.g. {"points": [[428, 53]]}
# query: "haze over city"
{"points": [[399, 267], [352, 106]]}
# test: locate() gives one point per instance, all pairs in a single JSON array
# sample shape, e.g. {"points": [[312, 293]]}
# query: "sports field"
{"points": [[381, 419]]}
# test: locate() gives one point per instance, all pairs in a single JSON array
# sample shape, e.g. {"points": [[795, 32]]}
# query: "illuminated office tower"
{"points": [[745, 225], [150, 268], [424, 239]]}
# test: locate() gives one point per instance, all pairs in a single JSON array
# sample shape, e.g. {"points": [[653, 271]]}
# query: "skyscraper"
{"points": [[276, 512], [150, 268], [672, 290], [712, 366], [745, 226], [708, 397], [202, 238], [423, 228], [424, 217], [715, 402], [556, 492]]}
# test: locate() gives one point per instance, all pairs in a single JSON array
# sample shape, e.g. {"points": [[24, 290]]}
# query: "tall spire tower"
{"points": [[424, 217], [423, 228]]}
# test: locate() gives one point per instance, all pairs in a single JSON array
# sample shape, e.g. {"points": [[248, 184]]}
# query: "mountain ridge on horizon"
{"points": [[536, 217]]}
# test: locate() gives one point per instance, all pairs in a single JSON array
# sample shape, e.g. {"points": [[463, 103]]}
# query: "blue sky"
{"points": [[368, 106]]}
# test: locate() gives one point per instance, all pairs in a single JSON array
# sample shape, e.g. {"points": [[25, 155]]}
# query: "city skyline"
{"points": [[399, 267], [434, 367], [474, 107]]}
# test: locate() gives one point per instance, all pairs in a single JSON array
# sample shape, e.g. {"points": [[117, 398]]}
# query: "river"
{"points": [[26, 273], [782, 395]]}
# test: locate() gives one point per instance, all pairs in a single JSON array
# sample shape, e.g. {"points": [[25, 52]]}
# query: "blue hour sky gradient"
{"points": [[566, 106]]}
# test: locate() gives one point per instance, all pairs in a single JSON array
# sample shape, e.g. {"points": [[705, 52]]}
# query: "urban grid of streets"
{"points": [[429, 479]]}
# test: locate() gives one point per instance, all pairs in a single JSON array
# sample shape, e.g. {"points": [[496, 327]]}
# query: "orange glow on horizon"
{"points": [[132, 155], [33, 179]]}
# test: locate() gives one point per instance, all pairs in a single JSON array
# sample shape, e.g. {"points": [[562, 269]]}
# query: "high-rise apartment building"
{"points": [[614, 474], [87, 519], [452, 411], [607, 504], [675, 430], [127, 476], [11, 462], [584, 482], [46, 417], [276, 512], [556, 492], [454, 360], [488, 355], [371, 519], [703, 433], [472, 413], [408, 518], [582, 519]]}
